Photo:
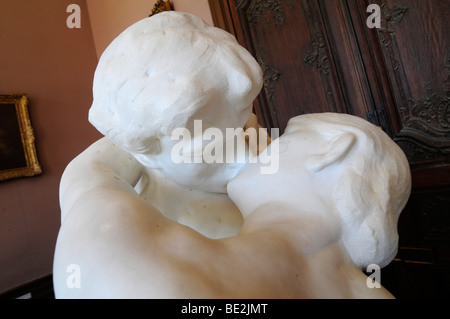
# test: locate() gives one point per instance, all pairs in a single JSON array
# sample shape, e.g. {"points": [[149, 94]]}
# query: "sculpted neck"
{"points": [[308, 227]]}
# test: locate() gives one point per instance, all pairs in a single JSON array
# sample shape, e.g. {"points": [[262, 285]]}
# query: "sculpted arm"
{"points": [[102, 166], [114, 237]]}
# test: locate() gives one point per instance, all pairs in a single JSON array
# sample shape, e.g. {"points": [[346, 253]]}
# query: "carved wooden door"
{"points": [[321, 56]]}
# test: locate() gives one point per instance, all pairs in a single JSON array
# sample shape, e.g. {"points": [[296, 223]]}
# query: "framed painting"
{"points": [[18, 156]]}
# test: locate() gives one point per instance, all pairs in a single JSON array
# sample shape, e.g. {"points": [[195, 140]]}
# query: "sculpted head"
{"points": [[353, 168], [163, 73], [372, 185]]}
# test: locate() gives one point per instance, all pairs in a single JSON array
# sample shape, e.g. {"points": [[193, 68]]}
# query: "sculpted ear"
{"points": [[337, 149]]}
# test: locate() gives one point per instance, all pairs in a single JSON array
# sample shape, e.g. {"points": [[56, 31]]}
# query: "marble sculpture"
{"points": [[134, 224]]}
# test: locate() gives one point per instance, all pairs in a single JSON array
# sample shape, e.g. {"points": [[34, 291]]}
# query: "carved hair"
{"points": [[372, 190], [166, 70]]}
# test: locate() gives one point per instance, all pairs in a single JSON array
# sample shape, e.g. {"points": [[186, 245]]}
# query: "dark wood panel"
{"points": [[415, 40], [429, 219], [415, 280], [41, 288], [320, 56], [287, 39]]}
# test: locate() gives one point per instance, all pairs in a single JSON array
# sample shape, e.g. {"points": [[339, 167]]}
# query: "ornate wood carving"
{"points": [[260, 8], [418, 152], [320, 55], [391, 18], [430, 114], [427, 121], [271, 76], [317, 56]]}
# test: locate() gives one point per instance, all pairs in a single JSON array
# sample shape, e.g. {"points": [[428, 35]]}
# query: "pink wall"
{"points": [[110, 17], [198, 7], [54, 66]]}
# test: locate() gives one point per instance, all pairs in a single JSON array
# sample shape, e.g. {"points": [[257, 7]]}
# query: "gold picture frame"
{"points": [[161, 6], [18, 156]]}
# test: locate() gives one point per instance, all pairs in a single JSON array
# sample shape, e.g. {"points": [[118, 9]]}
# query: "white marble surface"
{"points": [[219, 230]]}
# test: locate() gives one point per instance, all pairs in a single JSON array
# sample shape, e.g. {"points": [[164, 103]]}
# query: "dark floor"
{"points": [[39, 289]]}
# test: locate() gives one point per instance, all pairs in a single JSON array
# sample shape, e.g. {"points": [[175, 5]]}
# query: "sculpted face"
{"points": [[349, 165], [164, 72]]}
